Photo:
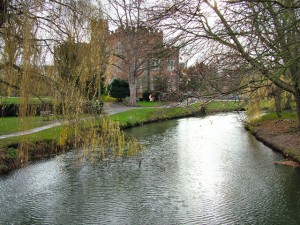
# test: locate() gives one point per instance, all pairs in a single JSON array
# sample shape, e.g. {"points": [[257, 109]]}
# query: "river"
{"points": [[193, 171]]}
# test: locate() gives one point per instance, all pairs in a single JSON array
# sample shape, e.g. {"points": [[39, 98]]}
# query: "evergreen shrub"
{"points": [[119, 89]]}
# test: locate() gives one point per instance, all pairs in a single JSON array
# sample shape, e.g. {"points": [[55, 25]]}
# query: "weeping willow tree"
{"points": [[58, 49]]}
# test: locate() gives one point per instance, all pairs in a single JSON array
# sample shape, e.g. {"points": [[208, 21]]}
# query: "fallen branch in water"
{"points": [[287, 163]]}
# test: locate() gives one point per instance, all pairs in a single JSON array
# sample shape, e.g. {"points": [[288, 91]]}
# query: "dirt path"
{"points": [[109, 108]]}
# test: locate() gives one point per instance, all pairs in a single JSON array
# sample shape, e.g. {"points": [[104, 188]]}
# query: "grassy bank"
{"points": [[15, 124], [150, 104], [140, 116], [49, 142]]}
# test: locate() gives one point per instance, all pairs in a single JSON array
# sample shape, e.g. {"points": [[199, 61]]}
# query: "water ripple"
{"points": [[194, 171]]}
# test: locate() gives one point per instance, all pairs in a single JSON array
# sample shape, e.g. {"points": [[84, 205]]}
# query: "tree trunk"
{"points": [[288, 104], [297, 96], [3, 12], [132, 89], [277, 98]]}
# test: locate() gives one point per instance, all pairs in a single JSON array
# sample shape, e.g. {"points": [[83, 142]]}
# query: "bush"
{"points": [[119, 89], [9, 110], [171, 97], [157, 96], [146, 95], [11, 154], [12, 109]]}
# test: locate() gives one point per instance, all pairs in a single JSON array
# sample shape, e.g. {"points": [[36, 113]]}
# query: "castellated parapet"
{"points": [[133, 30]]}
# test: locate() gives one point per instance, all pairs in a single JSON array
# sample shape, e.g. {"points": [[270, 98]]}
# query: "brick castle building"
{"points": [[140, 49], [143, 49]]}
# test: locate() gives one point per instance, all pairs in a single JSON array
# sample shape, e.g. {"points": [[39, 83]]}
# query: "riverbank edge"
{"points": [[270, 139], [46, 149]]}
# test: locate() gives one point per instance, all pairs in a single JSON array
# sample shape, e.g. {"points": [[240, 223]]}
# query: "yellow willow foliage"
{"points": [[25, 83], [23, 153], [255, 93], [91, 142], [63, 136], [133, 148], [107, 140], [70, 84], [254, 111], [27, 54]]}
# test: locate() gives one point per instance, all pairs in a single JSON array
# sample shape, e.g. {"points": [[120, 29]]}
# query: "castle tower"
{"points": [[99, 29]]}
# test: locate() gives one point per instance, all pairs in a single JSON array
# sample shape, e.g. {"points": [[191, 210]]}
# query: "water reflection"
{"points": [[194, 171]]}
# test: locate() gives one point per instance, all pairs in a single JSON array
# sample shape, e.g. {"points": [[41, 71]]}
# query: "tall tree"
{"points": [[136, 43], [129, 41], [49, 24], [3, 11], [29, 33]]}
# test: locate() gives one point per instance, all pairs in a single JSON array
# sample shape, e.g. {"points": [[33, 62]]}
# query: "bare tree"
{"points": [[264, 34], [137, 46]]}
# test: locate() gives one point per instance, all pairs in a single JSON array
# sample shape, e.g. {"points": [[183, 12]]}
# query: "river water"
{"points": [[193, 171]]}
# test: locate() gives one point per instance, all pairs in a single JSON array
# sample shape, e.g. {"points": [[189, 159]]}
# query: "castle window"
{"points": [[156, 64], [171, 65], [119, 48]]}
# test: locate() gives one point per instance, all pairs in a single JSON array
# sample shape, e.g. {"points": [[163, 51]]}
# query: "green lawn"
{"points": [[14, 124], [48, 134], [17, 100], [150, 104], [142, 115], [223, 106], [273, 115]]}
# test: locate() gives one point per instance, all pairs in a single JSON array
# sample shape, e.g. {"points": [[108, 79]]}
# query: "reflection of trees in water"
{"points": [[155, 129]]}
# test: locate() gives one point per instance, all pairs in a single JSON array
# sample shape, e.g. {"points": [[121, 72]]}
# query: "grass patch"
{"points": [[40, 145], [15, 124], [150, 104], [107, 98], [53, 133], [223, 106], [273, 116], [49, 134], [294, 153], [143, 115], [17, 100]]}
